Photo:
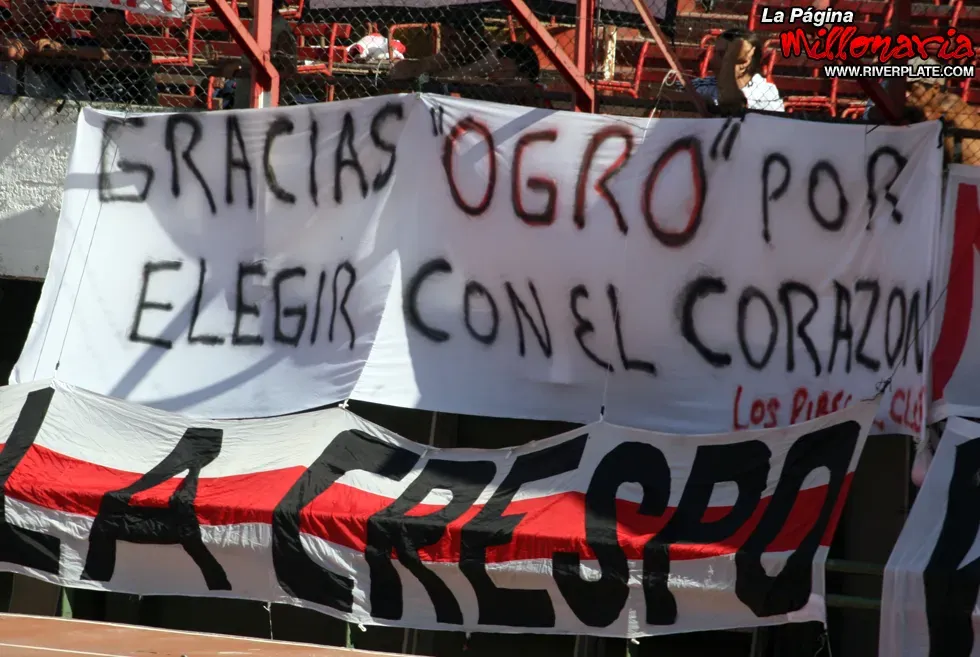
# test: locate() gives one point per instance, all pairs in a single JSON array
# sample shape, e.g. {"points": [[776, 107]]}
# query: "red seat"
{"points": [[169, 50], [325, 56], [650, 66], [631, 53], [332, 52], [165, 48]]}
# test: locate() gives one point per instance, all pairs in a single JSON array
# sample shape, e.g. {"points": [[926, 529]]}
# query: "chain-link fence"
{"points": [[101, 54], [731, 50], [324, 50], [474, 49]]}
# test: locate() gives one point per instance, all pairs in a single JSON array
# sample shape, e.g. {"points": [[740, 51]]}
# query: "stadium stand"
{"points": [[193, 60]]}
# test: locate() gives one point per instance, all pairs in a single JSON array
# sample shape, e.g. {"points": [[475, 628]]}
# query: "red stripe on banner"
{"points": [[551, 523], [959, 289]]}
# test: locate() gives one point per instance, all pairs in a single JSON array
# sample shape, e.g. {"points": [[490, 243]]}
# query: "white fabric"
{"points": [[374, 48], [905, 613], [86, 446], [760, 94], [633, 301]]}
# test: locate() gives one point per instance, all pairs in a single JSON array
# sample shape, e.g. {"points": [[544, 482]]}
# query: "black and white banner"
{"points": [[932, 580], [603, 530]]}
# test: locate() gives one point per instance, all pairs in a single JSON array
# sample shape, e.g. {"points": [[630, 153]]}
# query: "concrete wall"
{"points": [[36, 139]]}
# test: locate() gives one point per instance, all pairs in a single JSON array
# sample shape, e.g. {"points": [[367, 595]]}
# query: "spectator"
{"points": [[236, 92], [927, 100], [117, 67], [24, 66], [737, 80], [374, 48]]}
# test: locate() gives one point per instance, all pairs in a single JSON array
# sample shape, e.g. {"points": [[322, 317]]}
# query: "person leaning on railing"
{"points": [[107, 66], [25, 69], [737, 81], [927, 100]]}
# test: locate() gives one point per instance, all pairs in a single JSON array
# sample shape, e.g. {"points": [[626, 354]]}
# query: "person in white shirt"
{"points": [[737, 80]]}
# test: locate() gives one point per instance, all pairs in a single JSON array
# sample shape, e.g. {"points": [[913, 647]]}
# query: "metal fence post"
{"points": [[265, 78], [584, 91]]}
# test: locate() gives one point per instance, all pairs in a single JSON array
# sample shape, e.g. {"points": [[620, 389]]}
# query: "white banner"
{"points": [[602, 530], [929, 604], [956, 358], [692, 276]]}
